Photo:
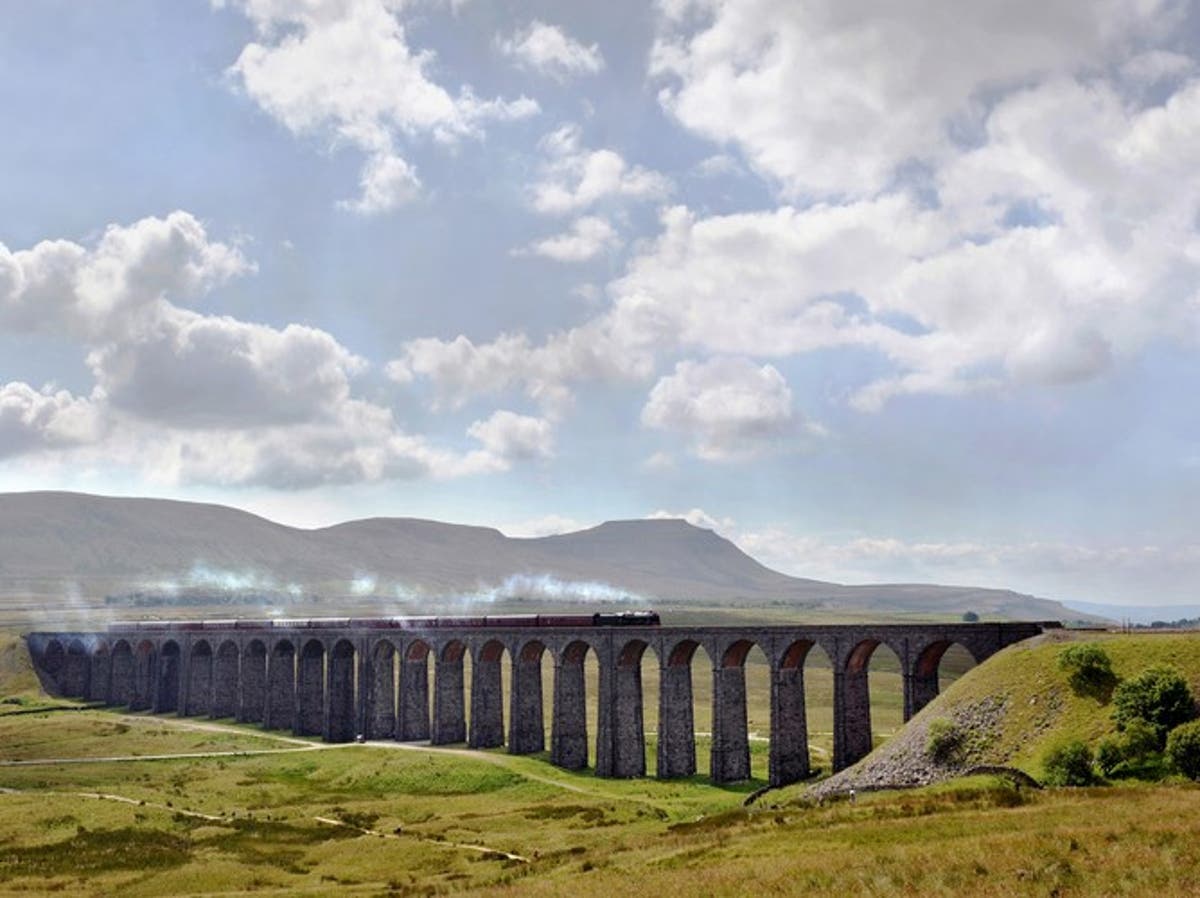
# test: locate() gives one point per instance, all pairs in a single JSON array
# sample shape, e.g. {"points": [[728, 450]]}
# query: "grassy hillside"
{"points": [[1019, 706]]}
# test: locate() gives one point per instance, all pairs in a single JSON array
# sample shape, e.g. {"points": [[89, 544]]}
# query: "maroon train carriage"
{"points": [[511, 621]]}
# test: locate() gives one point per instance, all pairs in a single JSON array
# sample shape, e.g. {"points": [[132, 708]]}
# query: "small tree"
{"points": [[944, 742], [1160, 696], [1089, 670], [1183, 748], [970, 617], [1069, 764]]}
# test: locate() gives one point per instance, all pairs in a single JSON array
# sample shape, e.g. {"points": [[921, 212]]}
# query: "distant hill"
{"points": [[1137, 614], [52, 543]]}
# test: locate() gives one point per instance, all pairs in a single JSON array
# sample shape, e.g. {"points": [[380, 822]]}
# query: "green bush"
{"points": [[970, 617], [944, 742], [1183, 748], [1069, 764], [1089, 670], [1110, 754], [1159, 696], [1141, 741]]}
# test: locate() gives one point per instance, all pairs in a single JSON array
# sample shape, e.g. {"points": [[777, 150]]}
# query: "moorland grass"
{"points": [[423, 821]]}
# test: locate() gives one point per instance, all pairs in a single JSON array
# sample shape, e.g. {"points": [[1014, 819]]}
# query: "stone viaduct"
{"points": [[339, 679]]}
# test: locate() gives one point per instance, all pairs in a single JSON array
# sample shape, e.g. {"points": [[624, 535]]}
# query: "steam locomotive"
{"points": [[599, 619]]}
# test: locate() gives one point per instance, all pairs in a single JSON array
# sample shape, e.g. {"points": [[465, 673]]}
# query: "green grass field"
{"points": [[408, 820]]}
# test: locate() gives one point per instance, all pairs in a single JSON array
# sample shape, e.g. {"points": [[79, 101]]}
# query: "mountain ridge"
{"points": [[103, 544]]}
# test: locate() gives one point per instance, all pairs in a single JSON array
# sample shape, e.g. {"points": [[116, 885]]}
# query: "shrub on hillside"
{"points": [[1135, 752], [1183, 748], [1069, 764], [1089, 670], [970, 617], [944, 743], [1141, 741], [1159, 696], [1110, 754]]}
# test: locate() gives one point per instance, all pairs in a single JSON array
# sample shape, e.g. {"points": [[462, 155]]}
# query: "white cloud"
{"points": [[831, 98], [355, 442], [1056, 245], [33, 420], [549, 50], [729, 408], [460, 369], [717, 165], [1156, 66], [510, 437], [59, 286], [697, 517], [156, 360], [192, 398], [345, 70], [194, 370], [574, 178], [387, 183], [547, 525], [1064, 244], [585, 239], [769, 283]]}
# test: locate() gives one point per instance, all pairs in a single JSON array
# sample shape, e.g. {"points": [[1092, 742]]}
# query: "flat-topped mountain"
{"points": [[51, 542]]}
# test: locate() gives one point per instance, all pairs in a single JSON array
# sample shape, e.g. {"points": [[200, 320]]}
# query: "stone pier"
{"points": [[412, 724], [487, 697], [449, 705], [568, 726], [339, 679], [527, 729]]}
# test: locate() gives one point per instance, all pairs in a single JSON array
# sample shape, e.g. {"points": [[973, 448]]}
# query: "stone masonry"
{"points": [[339, 680]]}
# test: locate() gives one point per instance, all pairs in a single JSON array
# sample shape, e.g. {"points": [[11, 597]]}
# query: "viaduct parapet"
{"points": [[342, 679]]}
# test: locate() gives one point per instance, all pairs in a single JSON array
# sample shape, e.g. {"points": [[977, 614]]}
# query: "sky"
{"points": [[881, 292]]}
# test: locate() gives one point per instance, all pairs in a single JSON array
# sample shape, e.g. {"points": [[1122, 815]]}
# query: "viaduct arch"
{"points": [[338, 679]]}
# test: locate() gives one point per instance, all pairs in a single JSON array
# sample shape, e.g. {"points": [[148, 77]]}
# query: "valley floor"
{"points": [[101, 802], [240, 812]]}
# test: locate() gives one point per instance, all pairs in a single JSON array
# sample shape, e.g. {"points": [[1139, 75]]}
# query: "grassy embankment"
{"points": [[441, 822], [1040, 711]]}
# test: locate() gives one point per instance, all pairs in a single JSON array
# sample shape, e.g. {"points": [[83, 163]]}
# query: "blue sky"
{"points": [[879, 294]]}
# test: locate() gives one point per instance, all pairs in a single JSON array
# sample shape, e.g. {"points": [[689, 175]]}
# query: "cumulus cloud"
{"points": [[728, 407], [387, 183], [551, 51], [32, 420], [460, 369], [193, 370], [890, 84], [510, 437], [196, 398], [1063, 244], [574, 178], [60, 286], [156, 360], [587, 238], [346, 71], [355, 442]]}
